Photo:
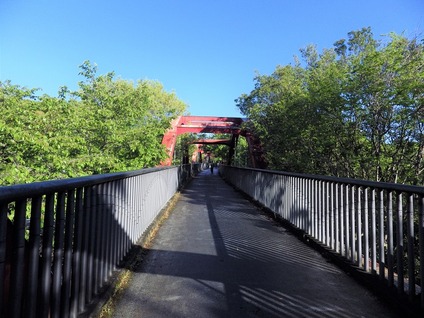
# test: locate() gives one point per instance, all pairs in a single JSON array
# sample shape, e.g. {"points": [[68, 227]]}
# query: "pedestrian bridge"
{"points": [[282, 245]]}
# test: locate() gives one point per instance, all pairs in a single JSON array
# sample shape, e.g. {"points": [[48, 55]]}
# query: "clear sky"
{"points": [[207, 52]]}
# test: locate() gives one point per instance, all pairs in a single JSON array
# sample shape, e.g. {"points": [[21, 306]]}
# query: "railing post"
{"points": [[33, 259], [390, 255], [67, 264], [342, 222], [77, 251], [399, 236], [373, 232], [421, 244], [353, 236], [381, 223], [85, 249], [3, 247], [347, 227], [44, 297], [359, 228], [366, 232], [336, 194], [328, 210], [410, 240], [58, 254]]}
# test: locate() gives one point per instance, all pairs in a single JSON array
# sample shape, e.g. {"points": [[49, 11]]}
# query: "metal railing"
{"points": [[60, 241], [378, 227]]}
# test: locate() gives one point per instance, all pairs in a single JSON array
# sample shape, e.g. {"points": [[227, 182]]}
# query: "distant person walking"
{"points": [[211, 166]]}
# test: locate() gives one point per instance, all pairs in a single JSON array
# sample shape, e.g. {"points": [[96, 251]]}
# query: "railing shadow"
{"points": [[247, 275]]}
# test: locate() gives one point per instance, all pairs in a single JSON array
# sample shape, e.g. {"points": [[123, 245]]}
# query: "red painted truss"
{"points": [[215, 125]]}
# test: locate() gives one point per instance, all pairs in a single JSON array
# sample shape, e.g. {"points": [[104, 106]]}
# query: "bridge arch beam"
{"points": [[216, 125]]}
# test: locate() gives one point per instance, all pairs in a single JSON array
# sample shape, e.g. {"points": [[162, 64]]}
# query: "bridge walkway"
{"points": [[217, 255]]}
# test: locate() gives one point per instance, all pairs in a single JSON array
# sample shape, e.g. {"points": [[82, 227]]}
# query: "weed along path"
{"points": [[217, 255]]}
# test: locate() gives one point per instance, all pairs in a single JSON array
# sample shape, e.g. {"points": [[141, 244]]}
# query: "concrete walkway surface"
{"points": [[217, 255]]}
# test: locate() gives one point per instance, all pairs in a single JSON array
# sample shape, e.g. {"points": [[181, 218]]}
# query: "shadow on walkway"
{"points": [[219, 256]]}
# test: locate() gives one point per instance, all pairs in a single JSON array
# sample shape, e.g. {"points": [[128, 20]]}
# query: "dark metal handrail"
{"points": [[358, 182], [14, 192], [79, 231]]}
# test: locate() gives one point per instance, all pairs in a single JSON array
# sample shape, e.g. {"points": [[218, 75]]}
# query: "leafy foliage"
{"points": [[355, 110], [107, 125]]}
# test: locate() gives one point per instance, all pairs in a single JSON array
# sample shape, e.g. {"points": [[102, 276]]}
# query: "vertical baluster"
{"points": [[324, 212], [287, 193], [116, 199], [353, 236], [328, 210], [86, 241], [127, 218], [359, 228], [366, 232], [300, 202], [67, 265], [33, 258], [133, 209], [137, 208], [411, 254], [318, 217], [421, 242], [122, 213], [373, 232], [94, 242], [3, 240], [330, 215], [102, 234], [291, 208], [390, 256], [112, 202], [305, 219], [108, 238], [321, 212], [399, 236], [315, 208], [382, 261], [347, 220], [58, 254], [77, 251], [297, 200], [43, 308], [342, 213], [336, 194], [310, 207], [18, 259]]}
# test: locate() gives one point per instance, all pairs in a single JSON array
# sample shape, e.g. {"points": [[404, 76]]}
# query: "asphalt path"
{"points": [[217, 255]]}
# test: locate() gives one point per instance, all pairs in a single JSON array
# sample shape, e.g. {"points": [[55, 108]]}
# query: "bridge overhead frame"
{"points": [[215, 125]]}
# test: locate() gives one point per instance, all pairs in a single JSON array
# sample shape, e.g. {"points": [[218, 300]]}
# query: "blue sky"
{"points": [[207, 52]]}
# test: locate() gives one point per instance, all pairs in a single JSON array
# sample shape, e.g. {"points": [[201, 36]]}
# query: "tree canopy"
{"points": [[107, 125], [355, 110]]}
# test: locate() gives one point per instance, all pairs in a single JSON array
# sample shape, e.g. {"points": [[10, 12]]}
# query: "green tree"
{"points": [[107, 125], [355, 110], [129, 119], [384, 96]]}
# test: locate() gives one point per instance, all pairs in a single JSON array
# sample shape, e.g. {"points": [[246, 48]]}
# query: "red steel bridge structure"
{"points": [[216, 125]]}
